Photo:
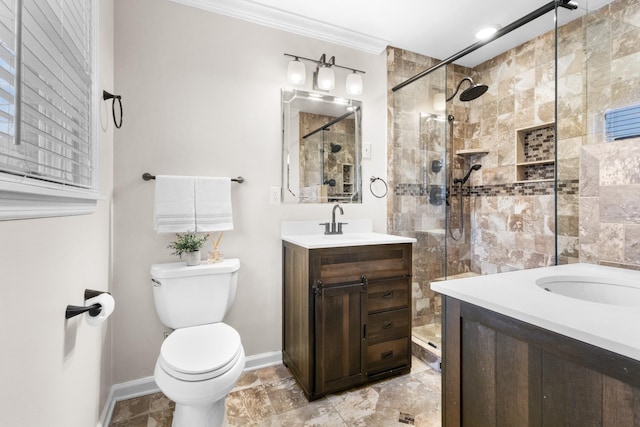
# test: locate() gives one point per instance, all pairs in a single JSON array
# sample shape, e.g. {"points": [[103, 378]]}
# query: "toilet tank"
{"points": [[190, 296]]}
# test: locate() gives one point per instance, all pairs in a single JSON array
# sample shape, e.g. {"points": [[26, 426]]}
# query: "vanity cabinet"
{"points": [[499, 371], [346, 315]]}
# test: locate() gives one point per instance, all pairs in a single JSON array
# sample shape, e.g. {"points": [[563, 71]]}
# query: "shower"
{"points": [[335, 148], [466, 177], [472, 92]]}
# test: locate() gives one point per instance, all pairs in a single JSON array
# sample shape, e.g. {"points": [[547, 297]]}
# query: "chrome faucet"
{"points": [[333, 227]]}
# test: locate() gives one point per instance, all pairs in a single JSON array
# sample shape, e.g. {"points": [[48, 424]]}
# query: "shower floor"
{"points": [[425, 344]]}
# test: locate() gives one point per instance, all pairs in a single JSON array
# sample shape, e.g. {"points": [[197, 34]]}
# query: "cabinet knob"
{"points": [[387, 325], [388, 294]]}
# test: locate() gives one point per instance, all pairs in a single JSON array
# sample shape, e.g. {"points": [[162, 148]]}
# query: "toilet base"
{"points": [[212, 415]]}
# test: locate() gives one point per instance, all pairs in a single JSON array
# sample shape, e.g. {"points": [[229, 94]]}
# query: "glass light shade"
{"points": [[354, 84], [296, 72], [326, 78], [439, 102]]}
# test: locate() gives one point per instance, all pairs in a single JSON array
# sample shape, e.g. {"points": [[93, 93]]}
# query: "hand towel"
{"points": [[174, 208], [213, 204]]}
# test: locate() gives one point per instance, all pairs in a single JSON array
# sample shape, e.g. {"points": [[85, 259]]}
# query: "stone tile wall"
{"points": [[513, 225], [609, 208]]}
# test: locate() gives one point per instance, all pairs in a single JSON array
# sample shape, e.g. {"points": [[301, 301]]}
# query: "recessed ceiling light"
{"points": [[487, 31]]}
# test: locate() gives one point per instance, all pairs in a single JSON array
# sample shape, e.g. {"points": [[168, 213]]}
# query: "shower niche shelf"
{"points": [[472, 152], [535, 153], [347, 178]]}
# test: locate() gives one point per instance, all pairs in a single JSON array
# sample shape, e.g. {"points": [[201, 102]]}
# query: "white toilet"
{"points": [[201, 361]]}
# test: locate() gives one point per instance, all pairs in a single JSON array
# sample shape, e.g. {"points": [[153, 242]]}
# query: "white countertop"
{"points": [[310, 235], [515, 294]]}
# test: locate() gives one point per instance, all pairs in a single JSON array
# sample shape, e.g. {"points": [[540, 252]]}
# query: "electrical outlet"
{"points": [[366, 151], [274, 195]]}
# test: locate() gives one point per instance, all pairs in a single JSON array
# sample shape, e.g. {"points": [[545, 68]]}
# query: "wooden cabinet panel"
{"points": [[499, 371], [478, 373], [340, 313], [348, 264], [346, 315], [572, 394]]}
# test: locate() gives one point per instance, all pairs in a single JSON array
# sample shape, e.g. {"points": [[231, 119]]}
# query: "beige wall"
{"points": [[57, 373], [201, 95]]}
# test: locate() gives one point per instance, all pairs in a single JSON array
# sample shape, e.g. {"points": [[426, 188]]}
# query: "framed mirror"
{"points": [[321, 148]]}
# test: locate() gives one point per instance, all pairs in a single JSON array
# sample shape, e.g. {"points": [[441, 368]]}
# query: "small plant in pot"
{"points": [[188, 244]]}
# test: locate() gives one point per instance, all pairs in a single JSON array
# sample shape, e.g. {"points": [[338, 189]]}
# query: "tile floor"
{"points": [[271, 397]]}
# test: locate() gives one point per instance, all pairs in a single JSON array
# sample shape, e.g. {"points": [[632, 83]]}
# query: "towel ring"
{"points": [[386, 187]]}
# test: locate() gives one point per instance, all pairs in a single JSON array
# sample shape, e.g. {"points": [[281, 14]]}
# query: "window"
{"points": [[47, 138]]}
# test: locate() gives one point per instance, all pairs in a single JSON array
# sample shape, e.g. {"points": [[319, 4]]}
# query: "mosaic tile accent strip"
{"points": [[566, 187], [539, 171]]}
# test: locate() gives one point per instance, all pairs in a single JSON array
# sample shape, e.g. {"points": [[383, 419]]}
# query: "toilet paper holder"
{"points": [[94, 309]]}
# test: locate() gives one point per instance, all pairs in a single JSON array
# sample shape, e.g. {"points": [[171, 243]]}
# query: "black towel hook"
{"points": [[106, 96]]}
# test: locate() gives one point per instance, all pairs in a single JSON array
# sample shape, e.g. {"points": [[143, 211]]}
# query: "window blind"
{"points": [[622, 123], [51, 39]]}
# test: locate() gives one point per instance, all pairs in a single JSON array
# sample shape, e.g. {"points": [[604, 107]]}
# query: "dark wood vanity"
{"points": [[346, 314], [499, 371]]}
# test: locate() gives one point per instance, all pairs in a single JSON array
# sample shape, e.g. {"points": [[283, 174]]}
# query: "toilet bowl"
{"points": [[202, 359]]}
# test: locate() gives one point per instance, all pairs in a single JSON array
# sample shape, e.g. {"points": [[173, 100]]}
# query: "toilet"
{"points": [[202, 359]]}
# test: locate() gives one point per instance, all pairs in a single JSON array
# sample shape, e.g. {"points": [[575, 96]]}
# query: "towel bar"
{"points": [[147, 177]]}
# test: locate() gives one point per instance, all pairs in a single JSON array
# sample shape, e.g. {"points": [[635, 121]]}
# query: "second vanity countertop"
{"points": [[309, 234], [515, 294]]}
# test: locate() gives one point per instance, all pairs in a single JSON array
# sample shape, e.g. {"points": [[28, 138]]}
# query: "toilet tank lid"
{"points": [[180, 269]]}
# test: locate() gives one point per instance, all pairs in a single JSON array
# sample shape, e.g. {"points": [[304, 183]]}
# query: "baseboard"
{"points": [[145, 386], [262, 360], [128, 390]]}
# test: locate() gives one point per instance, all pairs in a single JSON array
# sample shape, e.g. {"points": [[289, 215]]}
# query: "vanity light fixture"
{"points": [[296, 72], [354, 84], [324, 75]]}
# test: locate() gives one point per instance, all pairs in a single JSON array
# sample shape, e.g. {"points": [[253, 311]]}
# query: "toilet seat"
{"points": [[200, 353]]}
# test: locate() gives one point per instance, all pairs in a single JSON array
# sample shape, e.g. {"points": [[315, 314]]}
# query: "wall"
{"points": [[57, 373], [609, 223], [201, 95]]}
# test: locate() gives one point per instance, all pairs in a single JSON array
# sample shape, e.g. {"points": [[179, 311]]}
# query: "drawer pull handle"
{"points": [[386, 355], [388, 294], [387, 325]]}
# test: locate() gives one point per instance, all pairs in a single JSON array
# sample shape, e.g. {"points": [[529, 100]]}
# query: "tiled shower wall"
{"points": [[513, 224], [609, 220]]}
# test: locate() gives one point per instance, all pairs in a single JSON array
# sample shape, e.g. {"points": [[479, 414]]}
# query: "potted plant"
{"points": [[189, 244]]}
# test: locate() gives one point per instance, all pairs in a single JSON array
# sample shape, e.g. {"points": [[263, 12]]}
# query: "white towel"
{"points": [[174, 208], [213, 204]]}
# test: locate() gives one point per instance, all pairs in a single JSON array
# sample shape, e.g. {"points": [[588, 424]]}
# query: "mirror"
{"points": [[321, 148]]}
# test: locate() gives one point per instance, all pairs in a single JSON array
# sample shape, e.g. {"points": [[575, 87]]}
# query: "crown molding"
{"points": [[285, 21]]}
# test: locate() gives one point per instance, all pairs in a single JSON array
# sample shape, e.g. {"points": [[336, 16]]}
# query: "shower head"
{"points": [[335, 147], [471, 93], [466, 177]]}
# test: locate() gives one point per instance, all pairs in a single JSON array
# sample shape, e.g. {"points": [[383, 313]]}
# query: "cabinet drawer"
{"points": [[388, 294], [388, 325], [349, 264], [387, 355]]}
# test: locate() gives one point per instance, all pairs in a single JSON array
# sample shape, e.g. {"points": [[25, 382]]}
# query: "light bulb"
{"points": [[354, 84], [326, 78], [296, 72]]}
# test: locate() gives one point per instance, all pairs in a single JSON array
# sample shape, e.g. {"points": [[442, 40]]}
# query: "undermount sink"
{"points": [[593, 289]]}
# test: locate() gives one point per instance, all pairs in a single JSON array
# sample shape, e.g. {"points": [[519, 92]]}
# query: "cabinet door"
{"points": [[340, 351]]}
